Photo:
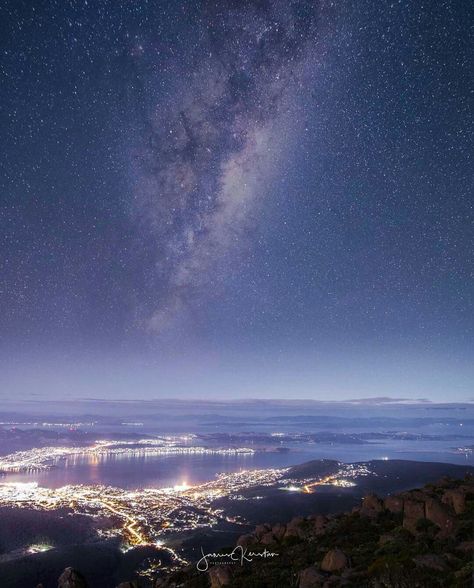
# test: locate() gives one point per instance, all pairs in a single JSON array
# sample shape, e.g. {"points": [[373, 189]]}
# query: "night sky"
{"points": [[236, 199]]}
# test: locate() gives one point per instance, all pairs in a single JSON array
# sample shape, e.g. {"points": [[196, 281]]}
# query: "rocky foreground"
{"points": [[416, 539]]}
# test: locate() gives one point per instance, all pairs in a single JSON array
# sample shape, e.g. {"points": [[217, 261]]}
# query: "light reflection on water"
{"points": [[141, 470]]}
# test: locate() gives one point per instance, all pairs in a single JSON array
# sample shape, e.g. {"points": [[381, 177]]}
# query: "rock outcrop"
{"points": [[431, 510], [456, 499], [295, 528], [371, 506], [320, 522], [246, 540], [413, 511], [261, 530], [279, 531], [393, 504], [311, 578], [268, 538], [335, 560], [71, 578], [438, 514], [219, 576]]}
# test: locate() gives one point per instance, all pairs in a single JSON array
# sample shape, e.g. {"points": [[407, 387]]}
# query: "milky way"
{"points": [[211, 150], [248, 196]]}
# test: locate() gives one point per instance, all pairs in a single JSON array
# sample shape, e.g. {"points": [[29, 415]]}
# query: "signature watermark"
{"points": [[237, 555]]}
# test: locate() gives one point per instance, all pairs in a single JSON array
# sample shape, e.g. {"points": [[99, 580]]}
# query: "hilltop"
{"points": [[412, 539]]}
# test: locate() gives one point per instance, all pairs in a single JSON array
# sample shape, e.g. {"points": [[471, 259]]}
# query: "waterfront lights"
{"points": [[39, 548], [181, 487], [291, 488]]}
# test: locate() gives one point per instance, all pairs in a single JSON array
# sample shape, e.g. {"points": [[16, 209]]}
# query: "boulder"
{"points": [[296, 522], [219, 576], [393, 504], [310, 578], [438, 514], [267, 539], [372, 505], [320, 522], [413, 511], [418, 495], [260, 530], [129, 585], [334, 561], [294, 528], [71, 578], [279, 531], [456, 499]]}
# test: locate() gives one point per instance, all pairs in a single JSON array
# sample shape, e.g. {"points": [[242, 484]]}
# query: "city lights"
{"points": [[47, 457]]}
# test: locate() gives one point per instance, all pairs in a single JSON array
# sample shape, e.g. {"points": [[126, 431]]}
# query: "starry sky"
{"points": [[232, 199]]}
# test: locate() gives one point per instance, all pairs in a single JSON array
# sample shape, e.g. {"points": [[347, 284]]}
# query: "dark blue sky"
{"points": [[254, 198]]}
